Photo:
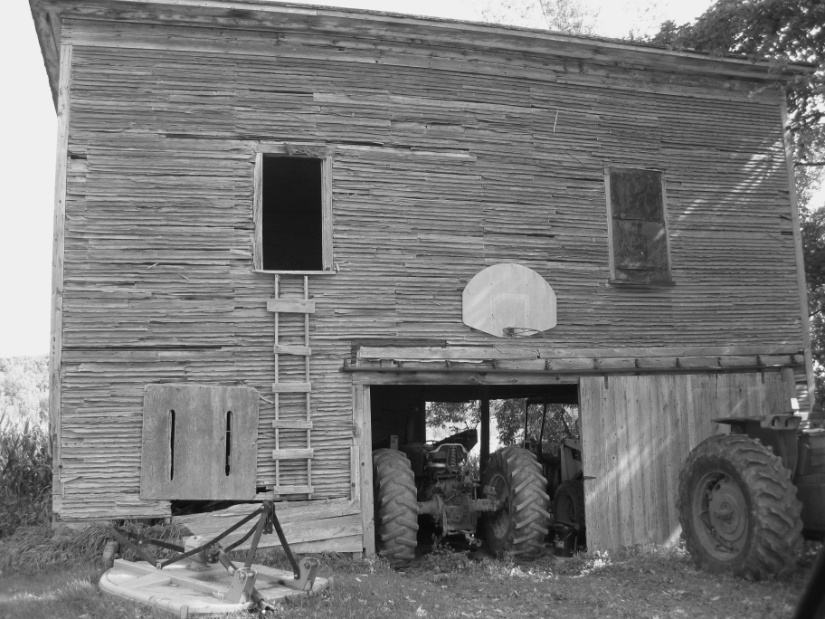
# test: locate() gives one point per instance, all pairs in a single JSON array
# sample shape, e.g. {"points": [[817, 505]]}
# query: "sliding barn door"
{"points": [[637, 432]]}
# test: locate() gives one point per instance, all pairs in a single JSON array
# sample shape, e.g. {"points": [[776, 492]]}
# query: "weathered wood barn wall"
{"points": [[452, 147]]}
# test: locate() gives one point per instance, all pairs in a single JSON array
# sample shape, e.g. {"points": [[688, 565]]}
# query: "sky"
{"points": [[29, 134]]}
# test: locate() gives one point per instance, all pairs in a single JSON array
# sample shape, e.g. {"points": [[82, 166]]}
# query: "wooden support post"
{"points": [[276, 393], [420, 416], [788, 389], [56, 352], [800, 262], [307, 376], [363, 438], [526, 425], [485, 428]]}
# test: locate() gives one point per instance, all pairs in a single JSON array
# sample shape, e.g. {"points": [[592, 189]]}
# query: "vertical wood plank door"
{"points": [[637, 432], [199, 442]]}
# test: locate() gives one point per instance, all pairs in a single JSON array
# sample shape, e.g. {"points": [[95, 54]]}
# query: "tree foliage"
{"points": [[509, 416], [813, 243], [510, 12], [570, 16], [454, 416], [24, 391], [781, 32], [559, 423], [774, 30]]}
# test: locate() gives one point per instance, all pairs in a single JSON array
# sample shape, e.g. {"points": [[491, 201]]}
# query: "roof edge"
{"points": [[48, 35], [47, 15]]}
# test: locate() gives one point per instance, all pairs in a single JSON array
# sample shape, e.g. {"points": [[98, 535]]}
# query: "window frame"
{"points": [[613, 280], [307, 151]]}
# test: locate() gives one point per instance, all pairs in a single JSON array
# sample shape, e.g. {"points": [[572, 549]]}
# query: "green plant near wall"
{"points": [[25, 475]]}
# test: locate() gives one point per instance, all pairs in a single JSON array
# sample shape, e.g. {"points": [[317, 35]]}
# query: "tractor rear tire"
{"points": [[519, 528], [396, 508], [568, 504], [738, 508]]}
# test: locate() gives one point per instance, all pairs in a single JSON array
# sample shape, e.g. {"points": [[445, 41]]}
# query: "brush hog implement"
{"points": [[200, 579]]}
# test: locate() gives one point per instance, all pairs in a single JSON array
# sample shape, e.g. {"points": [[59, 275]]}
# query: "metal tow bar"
{"points": [[242, 588]]}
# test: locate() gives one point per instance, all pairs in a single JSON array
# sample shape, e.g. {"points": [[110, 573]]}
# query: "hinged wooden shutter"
{"points": [[199, 442]]}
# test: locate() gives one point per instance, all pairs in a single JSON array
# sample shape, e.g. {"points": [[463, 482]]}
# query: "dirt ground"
{"points": [[643, 583]]}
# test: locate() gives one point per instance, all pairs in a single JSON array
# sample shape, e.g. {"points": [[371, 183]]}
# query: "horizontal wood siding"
{"points": [[442, 164], [637, 432], [333, 526]]}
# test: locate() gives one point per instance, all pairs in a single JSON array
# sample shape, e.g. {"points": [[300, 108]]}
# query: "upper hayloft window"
{"points": [[638, 231], [293, 210]]}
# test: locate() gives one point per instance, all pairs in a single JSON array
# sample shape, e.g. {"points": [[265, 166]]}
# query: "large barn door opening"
{"points": [[411, 418], [637, 432]]}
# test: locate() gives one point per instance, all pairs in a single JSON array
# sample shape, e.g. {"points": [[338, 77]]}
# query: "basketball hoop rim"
{"points": [[520, 331]]}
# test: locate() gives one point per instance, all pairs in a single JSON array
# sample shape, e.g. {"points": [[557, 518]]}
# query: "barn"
{"points": [[281, 230]]}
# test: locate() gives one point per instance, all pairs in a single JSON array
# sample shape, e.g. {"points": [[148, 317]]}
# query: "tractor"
{"points": [[745, 498], [563, 470], [432, 480]]}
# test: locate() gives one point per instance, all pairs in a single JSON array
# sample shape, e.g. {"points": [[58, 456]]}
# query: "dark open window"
{"points": [[292, 213], [292, 238], [638, 230]]}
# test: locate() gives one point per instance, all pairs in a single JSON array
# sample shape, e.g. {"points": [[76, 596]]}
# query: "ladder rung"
{"points": [[291, 387], [285, 349], [292, 490], [292, 424], [292, 454], [291, 306]]}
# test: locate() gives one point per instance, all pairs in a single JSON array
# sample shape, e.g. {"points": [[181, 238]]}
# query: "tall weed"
{"points": [[25, 475], [33, 549]]}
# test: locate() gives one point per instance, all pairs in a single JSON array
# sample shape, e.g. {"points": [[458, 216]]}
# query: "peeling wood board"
{"points": [[332, 526]]}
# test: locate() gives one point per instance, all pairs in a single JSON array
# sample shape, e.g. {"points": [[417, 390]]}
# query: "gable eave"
{"points": [[471, 36]]}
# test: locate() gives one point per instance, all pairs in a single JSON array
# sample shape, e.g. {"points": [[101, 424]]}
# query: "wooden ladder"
{"points": [[305, 307]]}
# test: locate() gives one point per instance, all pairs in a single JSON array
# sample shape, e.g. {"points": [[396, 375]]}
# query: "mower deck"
{"points": [[201, 579], [185, 592]]}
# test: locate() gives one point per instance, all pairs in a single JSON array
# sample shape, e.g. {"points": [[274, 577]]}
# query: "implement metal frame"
{"points": [[243, 586]]}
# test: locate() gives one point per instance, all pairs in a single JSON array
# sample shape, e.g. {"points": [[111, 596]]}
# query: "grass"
{"points": [[643, 583], [646, 583], [54, 573], [64, 594], [30, 550]]}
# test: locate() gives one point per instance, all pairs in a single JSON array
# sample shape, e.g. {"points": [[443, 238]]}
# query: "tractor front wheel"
{"points": [[568, 504], [738, 508], [520, 526], [396, 508]]}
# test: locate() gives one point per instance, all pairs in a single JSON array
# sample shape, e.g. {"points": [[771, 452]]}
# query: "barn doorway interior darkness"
{"points": [[416, 419]]}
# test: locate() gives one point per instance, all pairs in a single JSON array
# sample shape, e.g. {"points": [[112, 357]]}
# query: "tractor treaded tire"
{"points": [[570, 494], [521, 526], [396, 507], [774, 525]]}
